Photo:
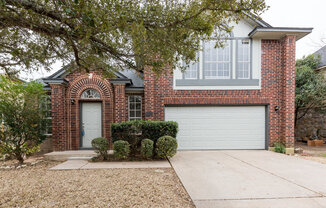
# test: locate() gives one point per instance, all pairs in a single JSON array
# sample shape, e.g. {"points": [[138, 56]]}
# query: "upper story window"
{"points": [[217, 61], [90, 94], [135, 109], [243, 59], [231, 62], [192, 70]]}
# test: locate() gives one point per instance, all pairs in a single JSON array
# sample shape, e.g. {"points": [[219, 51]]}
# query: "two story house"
{"points": [[240, 96]]}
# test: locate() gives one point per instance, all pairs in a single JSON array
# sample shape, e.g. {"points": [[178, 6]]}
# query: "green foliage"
{"points": [[156, 129], [121, 149], [166, 147], [147, 148], [101, 147], [310, 86], [279, 147], [22, 115], [135, 131], [113, 34]]}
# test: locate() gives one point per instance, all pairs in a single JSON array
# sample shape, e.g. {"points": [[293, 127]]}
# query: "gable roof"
{"points": [[133, 80]]}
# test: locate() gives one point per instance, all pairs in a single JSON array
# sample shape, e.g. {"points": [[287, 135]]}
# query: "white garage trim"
{"points": [[220, 127]]}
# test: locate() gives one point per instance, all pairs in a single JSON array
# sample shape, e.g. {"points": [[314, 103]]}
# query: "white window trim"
{"points": [[141, 108]]}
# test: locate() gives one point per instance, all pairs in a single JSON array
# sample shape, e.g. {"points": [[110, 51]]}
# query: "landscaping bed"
{"points": [[37, 186]]}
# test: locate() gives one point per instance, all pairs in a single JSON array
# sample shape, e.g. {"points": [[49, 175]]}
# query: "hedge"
{"points": [[135, 131]]}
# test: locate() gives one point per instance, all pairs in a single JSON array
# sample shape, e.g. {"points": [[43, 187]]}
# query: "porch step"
{"points": [[68, 155]]}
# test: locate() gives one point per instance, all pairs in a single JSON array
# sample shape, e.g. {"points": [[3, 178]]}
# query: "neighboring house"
{"points": [[321, 53], [314, 120], [237, 97]]}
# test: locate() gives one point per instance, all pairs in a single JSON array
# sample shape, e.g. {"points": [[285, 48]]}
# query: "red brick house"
{"points": [[237, 97]]}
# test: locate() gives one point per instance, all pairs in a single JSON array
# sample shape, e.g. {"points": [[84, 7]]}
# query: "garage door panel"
{"points": [[213, 127]]}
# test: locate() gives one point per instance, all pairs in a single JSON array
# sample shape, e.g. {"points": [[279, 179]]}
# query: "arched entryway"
{"points": [[90, 110], [90, 117]]}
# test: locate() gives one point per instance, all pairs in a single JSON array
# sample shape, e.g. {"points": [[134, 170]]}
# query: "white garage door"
{"points": [[222, 127]]}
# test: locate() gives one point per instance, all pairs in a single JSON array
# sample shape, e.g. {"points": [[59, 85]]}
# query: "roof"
{"points": [[322, 54], [133, 79], [279, 32]]}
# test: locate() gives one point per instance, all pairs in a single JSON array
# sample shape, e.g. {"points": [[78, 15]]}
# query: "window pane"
{"points": [[138, 114], [243, 59], [135, 107], [192, 70], [132, 106], [132, 113], [217, 61]]}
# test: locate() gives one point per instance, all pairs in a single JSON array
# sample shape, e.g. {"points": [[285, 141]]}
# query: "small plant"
{"points": [[121, 149], [166, 146], [146, 149], [101, 147], [279, 147]]}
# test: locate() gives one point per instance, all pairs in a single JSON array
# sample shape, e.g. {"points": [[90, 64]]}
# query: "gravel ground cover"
{"points": [[37, 186]]}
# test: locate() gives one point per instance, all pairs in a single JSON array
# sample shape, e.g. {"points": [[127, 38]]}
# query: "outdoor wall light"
{"points": [[72, 101], [277, 108]]}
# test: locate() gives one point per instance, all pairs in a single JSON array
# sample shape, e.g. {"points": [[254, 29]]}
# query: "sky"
{"points": [[282, 13]]}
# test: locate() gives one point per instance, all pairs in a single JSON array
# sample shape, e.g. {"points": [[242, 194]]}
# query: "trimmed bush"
{"points": [[146, 148], [101, 147], [156, 129], [121, 149], [135, 131], [166, 146]]}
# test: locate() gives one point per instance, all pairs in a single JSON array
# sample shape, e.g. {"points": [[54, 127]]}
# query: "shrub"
{"points": [[129, 131], [121, 149], [166, 146], [101, 147], [156, 129], [146, 149], [135, 131], [279, 147]]}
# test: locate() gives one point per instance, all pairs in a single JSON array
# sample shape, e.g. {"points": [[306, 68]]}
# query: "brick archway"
{"points": [[74, 91]]}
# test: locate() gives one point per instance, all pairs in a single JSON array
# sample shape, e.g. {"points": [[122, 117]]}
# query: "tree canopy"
{"points": [[22, 118], [113, 34], [310, 91]]}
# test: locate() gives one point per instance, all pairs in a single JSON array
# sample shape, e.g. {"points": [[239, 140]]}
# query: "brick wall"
{"points": [[278, 61], [277, 81]]}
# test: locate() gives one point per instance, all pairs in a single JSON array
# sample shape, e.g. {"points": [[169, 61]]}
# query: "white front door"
{"points": [[91, 123], [219, 127]]}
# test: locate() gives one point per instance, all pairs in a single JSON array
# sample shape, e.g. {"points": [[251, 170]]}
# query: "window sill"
{"points": [[217, 82]]}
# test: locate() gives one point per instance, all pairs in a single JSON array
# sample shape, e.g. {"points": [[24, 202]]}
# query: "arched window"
{"points": [[90, 94]]}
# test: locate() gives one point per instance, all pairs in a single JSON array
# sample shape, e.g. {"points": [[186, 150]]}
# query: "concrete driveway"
{"points": [[250, 179]]}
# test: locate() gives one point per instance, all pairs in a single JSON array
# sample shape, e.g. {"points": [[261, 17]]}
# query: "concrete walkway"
{"points": [[84, 164], [241, 179]]}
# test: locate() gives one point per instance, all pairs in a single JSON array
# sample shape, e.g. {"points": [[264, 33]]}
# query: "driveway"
{"points": [[250, 179]]}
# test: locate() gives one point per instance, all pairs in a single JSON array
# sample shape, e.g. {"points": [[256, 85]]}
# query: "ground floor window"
{"points": [[48, 115], [135, 102]]}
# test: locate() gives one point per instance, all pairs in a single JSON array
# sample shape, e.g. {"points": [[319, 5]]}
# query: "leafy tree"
{"points": [[310, 87], [113, 34], [22, 117]]}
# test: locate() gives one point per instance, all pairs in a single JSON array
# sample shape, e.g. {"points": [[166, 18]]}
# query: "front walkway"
{"points": [[85, 164], [238, 179]]}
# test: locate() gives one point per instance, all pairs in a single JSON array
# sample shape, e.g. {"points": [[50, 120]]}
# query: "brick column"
{"points": [[288, 47], [120, 103], [149, 84], [58, 108]]}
